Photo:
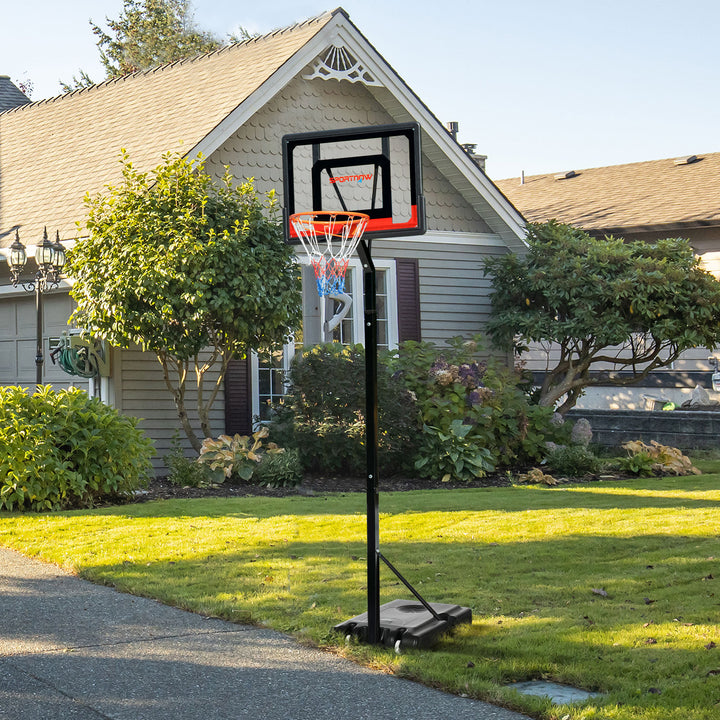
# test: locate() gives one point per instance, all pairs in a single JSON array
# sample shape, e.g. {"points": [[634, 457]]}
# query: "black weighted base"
{"points": [[408, 622]]}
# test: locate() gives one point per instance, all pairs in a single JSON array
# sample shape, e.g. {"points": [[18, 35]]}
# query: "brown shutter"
{"points": [[238, 398], [408, 299]]}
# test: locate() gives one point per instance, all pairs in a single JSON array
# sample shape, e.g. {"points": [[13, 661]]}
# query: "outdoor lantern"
{"points": [[50, 259], [45, 255], [59, 262], [17, 257]]}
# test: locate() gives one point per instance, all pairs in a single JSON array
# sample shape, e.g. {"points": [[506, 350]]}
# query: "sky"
{"points": [[539, 86]]}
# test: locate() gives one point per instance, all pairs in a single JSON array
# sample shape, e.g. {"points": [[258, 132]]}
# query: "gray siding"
{"points": [[18, 342], [453, 291], [141, 392]]}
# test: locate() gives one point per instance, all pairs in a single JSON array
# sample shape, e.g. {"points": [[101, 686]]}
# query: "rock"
{"points": [[700, 400], [700, 396], [582, 432]]}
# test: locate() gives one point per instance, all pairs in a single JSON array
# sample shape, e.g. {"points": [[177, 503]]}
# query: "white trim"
{"points": [[388, 265], [288, 354], [336, 63], [435, 130], [30, 250], [457, 238], [254, 387]]}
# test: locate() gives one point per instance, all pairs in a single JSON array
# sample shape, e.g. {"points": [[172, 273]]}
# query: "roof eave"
{"points": [[452, 159]]}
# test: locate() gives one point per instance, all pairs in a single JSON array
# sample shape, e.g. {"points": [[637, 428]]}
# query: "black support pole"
{"points": [[38, 332], [371, 443]]}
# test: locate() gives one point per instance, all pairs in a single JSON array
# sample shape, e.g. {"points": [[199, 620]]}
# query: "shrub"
{"points": [[451, 386], [324, 414], [441, 411], [65, 449], [282, 469], [573, 461], [452, 455], [184, 471]]}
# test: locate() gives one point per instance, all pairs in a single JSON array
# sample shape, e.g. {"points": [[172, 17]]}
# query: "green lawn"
{"points": [[611, 587]]}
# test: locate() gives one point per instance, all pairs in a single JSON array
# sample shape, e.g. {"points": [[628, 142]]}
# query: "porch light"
{"points": [[60, 257], [45, 256], [17, 258], [50, 259]]}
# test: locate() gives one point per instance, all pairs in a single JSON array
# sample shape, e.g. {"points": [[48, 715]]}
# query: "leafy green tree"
{"points": [[630, 306], [195, 272]]}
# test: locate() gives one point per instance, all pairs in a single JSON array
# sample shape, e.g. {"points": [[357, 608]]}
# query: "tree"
{"points": [[631, 306], [148, 33], [196, 273]]}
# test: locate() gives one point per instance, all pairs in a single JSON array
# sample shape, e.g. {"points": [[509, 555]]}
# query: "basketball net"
{"points": [[329, 239]]}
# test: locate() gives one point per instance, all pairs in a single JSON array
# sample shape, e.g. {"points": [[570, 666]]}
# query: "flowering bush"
{"points": [[450, 386], [443, 413]]}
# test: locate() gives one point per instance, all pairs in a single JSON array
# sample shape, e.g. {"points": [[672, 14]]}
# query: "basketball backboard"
{"points": [[374, 170]]}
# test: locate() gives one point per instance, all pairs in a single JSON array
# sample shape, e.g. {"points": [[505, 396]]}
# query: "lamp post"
{"points": [[50, 260]]}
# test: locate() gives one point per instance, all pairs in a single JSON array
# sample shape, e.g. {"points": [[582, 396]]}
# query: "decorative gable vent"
{"points": [[337, 63]]}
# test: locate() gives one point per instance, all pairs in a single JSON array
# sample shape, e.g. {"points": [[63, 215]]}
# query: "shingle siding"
{"points": [[304, 106]]}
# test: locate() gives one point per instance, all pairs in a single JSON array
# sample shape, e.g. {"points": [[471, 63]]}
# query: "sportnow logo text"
{"points": [[350, 178]]}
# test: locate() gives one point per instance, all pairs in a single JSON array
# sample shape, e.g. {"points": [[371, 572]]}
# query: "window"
{"points": [[351, 329], [269, 379], [344, 333]]}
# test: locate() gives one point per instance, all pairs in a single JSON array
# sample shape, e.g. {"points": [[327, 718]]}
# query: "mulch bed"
{"points": [[162, 489]]}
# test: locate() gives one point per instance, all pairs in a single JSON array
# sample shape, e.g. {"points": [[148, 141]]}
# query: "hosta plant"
{"points": [[662, 460], [453, 454], [536, 476], [235, 456]]}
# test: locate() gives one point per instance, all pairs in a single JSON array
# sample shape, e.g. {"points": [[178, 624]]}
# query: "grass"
{"points": [[609, 587]]}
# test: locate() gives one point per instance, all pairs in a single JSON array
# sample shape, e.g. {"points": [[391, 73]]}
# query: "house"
{"points": [[234, 106], [676, 197]]}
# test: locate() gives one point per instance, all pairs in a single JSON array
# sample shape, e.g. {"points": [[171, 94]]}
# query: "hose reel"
{"points": [[81, 355]]}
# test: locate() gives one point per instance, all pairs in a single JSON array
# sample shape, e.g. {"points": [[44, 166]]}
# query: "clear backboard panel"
{"points": [[372, 170]]}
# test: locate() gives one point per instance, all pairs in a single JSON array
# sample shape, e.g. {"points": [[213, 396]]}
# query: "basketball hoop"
{"points": [[329, 238]]}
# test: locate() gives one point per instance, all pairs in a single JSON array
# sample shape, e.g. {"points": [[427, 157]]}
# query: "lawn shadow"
{"points": [[543, 607]]}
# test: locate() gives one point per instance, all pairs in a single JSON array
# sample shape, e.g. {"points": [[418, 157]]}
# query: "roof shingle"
{"points": [[640, 196], [10, 94]]}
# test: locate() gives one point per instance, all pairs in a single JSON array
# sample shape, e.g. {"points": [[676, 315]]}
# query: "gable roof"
{"points": [[55, 151], [656, 195], [51, 149]]}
